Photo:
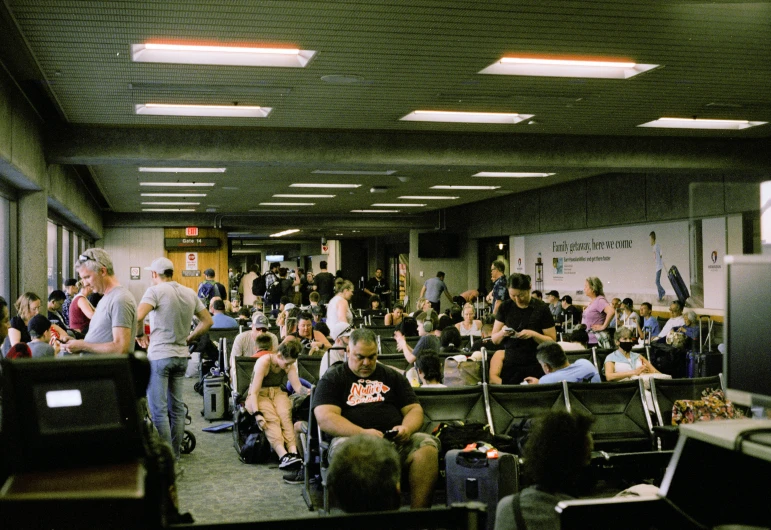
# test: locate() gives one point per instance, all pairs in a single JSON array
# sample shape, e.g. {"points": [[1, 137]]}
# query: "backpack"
{"points": [[258, 285], [287, 287], [206, 291], [250, 441]]}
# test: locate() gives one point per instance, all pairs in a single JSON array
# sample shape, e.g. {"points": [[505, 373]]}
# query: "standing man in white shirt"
{"points": [[171, 307], [659, 262]]}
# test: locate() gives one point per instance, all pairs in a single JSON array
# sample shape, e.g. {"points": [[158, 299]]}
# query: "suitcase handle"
{"points": [[472, 459]]}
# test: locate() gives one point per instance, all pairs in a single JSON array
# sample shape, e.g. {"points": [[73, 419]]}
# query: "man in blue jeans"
{"points": [[171, 307]]}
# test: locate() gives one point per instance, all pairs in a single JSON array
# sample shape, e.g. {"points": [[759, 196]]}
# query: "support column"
{"points": [[33, 249]]}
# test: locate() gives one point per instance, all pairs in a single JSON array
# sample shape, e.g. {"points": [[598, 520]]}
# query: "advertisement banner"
{"points": [[622, 257], [713, 236]]}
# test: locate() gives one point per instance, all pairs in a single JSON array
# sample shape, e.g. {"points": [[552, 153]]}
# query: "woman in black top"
{"points": [[27, 306], [521, 324]]}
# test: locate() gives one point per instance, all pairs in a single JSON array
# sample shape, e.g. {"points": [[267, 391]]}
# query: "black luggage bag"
{"points": [[668, 359], [681, 290], [704, 363], [472, 476]]}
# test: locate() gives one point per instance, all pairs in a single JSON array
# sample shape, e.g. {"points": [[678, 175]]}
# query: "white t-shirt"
{"points": [[118, 309], [657, 257], [170, 320]]}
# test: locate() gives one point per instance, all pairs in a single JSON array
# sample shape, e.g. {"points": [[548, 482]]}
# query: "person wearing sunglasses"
{"points": [[113, 328]]}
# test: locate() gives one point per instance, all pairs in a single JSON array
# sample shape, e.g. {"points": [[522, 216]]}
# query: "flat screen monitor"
{"points": [[438, 245], [747, 362], [72, 412]]}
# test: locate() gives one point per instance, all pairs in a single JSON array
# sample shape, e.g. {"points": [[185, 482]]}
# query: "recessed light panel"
{"points": [[182, 169], [303, 196], [285, 232], [352, 172], [428, 197], [466, 117], [173, 195], [399, 205], [171, 203], [206, 111], [565, 67], [374, 211], [287, 203], [168, 209], [320, 185], [465, 187], [220, 55], [693, 123], [504, 174], [178, 184]]}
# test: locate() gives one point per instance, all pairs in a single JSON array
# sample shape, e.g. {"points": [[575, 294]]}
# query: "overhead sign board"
{"points": [[191, 242]]}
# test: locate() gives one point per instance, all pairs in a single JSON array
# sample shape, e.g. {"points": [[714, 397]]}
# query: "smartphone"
{"points": [[390, 435]]}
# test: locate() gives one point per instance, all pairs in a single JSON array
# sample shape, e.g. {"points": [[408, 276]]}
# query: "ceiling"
{"points": [[388, 59]]}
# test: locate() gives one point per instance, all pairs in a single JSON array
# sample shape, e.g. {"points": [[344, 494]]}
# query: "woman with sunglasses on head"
{"points": [[521, 324]]}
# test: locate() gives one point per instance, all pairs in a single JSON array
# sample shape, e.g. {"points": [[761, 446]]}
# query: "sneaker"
{"points": [[288, 460], [295, 477]]}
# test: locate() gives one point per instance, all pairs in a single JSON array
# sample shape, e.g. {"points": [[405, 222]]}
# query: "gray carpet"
{"points": [[216, 487]]}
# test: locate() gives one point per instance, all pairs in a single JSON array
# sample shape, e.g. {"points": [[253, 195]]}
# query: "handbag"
{"points": [[460, 372], [603, 339], [712, 406]]}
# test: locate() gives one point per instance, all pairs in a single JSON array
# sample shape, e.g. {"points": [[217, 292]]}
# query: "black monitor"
{"points": [[747, 364], [72, 411]]}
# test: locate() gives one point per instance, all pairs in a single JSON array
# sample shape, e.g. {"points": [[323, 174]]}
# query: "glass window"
{"points": [[53, 265], [66, 256], [5, 248]]}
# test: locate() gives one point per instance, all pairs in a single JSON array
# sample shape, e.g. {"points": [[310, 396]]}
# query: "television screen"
{"points": [[748, 312], [434, 245]]}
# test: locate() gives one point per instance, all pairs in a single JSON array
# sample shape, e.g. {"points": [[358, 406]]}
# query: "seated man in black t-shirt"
{"points": [[361, 396], [521, 324]]}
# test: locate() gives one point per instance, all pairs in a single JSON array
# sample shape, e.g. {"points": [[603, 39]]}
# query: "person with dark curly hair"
{"points": [[557, 451]]}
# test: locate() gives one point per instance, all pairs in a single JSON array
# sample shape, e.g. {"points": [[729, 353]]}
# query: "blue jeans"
{"points": [[164, 396], [661, 290]]}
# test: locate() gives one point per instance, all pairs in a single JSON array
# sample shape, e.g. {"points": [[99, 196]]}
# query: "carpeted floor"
{"points": [[216, 487]]}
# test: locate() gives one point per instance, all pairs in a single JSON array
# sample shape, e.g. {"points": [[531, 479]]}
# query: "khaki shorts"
{"points": [[416, 441]]}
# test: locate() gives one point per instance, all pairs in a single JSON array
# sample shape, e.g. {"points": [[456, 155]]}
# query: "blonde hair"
{"points": [[595, 285], [23, 305], [341, 285], [419, 304]]}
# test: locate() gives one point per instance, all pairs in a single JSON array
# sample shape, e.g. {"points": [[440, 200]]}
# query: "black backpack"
{"points": [[258, 285], [275, 291], [250, 441]]}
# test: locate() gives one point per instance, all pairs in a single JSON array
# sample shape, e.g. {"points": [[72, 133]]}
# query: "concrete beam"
{"points": [[293, 148]]}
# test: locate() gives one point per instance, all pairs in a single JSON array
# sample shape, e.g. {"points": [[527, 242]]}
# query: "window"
{"points": [[67, 261], [5, 249], [53, 265]]}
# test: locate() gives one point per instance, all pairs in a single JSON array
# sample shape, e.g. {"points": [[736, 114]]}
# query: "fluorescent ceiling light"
{"points": [[219, 111], [405, 204], [287, 203], [354, 172], [465, 187], [168, 209], [173, 194], [318, 185], [532, 66], [303, 196], [182, 169], [428, 197], [220, 55], [693, 123], [272, 211], [504, 174], [374, 211], [172, 203], [466, 117], [179, 184], [284, 233]]}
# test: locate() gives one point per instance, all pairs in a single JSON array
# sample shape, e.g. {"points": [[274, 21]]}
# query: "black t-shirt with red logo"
{"points": [[374, 402]]}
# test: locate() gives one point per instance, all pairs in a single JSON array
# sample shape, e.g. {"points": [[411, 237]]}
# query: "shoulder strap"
{"points": [[517, 507]]}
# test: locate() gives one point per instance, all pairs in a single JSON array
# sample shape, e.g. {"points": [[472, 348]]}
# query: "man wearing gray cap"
{"points": [[171, 307]]}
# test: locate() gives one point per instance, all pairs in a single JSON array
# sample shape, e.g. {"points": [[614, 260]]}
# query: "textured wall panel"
{"points": [[612, 200], [563, 207]]}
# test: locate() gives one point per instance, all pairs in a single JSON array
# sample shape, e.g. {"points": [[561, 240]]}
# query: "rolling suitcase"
{"points": [[214, 398], [474, 475], [704, 363], [681, 290]]}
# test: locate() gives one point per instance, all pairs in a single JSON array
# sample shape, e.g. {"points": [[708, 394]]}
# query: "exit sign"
{"points": [[191, 231]]}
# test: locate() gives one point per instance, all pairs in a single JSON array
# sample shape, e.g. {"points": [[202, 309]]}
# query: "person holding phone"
{"points": [[521, 324]]}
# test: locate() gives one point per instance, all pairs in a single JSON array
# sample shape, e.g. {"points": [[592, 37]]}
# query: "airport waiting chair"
{"points": [[598, 358], [242, 379], [665, 392], [573, 356], [463, 403], [622, 422], [308, 367], [388, 345], [395, 360], [511, 404], [223, 338], [386, 332]]}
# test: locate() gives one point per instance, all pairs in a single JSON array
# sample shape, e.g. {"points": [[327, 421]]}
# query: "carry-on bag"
{"points": [[214, 398], [681, 290], [482, 474], [703, 363]]}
